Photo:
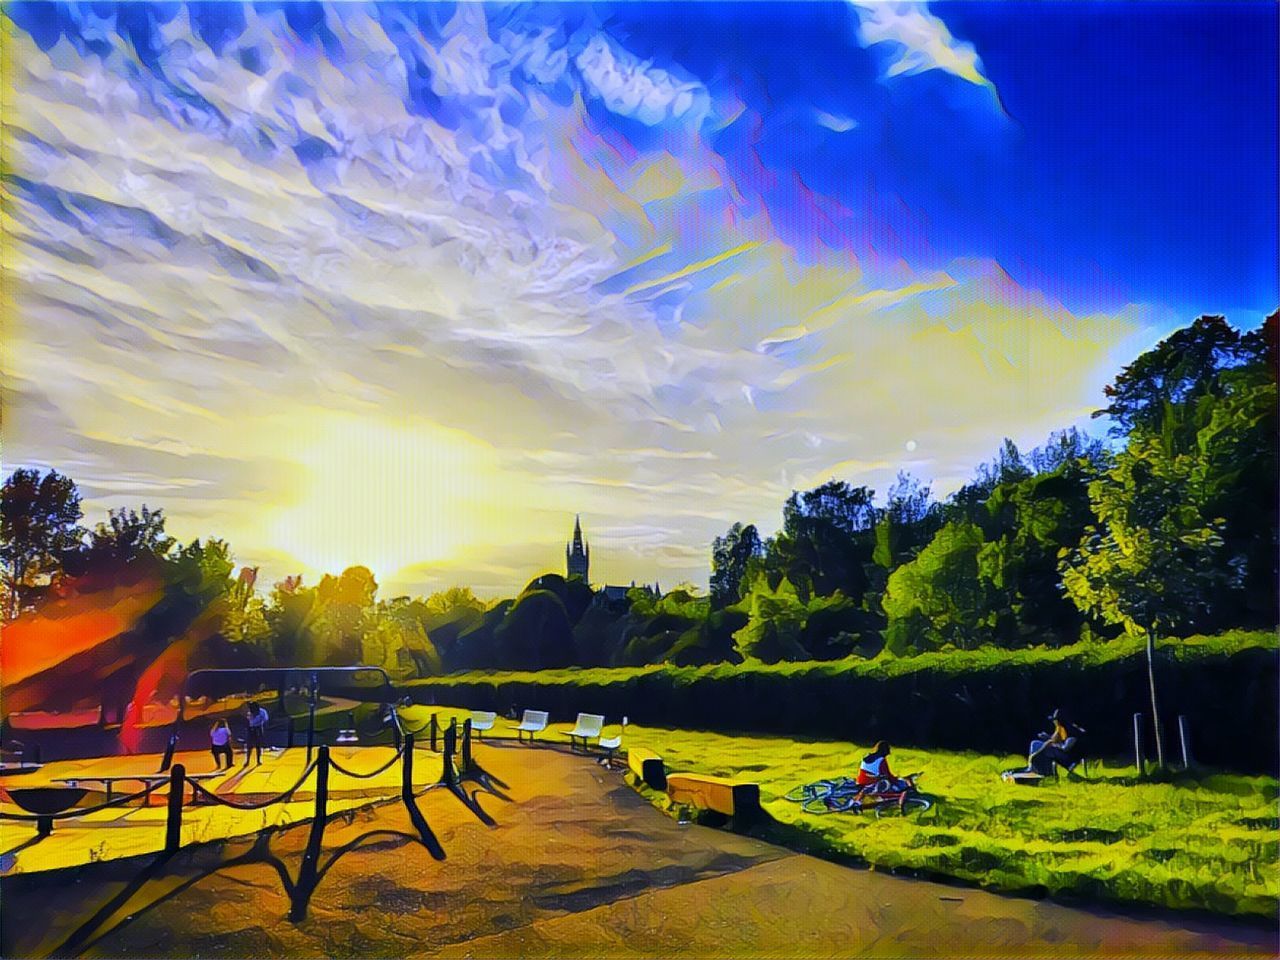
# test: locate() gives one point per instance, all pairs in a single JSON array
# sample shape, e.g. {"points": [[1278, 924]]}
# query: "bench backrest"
{"points": [[590, 724], [535, 718], [480, 716]]}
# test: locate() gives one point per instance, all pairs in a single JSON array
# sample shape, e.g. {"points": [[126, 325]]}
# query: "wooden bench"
{"points": [[648, 766], [733, 798]]}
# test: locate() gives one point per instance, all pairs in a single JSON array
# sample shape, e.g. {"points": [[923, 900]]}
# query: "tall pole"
{"points": [[311, 716]]}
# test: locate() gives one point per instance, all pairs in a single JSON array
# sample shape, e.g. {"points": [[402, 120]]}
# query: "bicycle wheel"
{"points": [[819, 789], [894, 808]]}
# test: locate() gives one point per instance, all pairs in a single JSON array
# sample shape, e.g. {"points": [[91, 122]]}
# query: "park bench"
{"points": [[482, 721], [588, 728], [610, 746], [734, 798], [149, 781], [533, 721], [648, 766]]}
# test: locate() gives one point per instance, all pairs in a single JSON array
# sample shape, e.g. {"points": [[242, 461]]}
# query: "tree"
{"points": [[128, 535], [39, 525], [1067, 446], [1154, 560], [730, 556], [826, 540], [1176, 372], [938, 598]]}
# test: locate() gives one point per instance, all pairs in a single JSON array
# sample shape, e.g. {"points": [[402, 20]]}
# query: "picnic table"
{"points": [[148, 780]]}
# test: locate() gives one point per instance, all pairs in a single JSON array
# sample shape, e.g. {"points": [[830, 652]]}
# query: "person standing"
{"points": [[220, 743], [257, 716]]}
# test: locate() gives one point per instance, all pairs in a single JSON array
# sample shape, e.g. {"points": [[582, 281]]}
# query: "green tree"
{"points": [[730, 556], [826, 541], [1178, 372], [39, 525], [129, 535], [1154, 560], [938, 598]]}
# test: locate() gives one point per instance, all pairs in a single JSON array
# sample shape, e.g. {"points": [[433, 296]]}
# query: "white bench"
{"points": [[610, 746], [533, 721], [588, 728], [482, 721]]}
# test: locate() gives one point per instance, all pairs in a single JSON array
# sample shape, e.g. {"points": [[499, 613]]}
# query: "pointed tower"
{"points": [[577, 555]]}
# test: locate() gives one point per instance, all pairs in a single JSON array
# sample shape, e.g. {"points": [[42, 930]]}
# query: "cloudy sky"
{"points": [[411, 285]]}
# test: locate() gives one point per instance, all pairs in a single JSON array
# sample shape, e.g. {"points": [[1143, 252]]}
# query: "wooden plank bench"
{"points": [[648, 766], [734, 798]]}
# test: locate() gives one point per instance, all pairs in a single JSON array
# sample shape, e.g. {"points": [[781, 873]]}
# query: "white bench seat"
{"points": [[533, 721], [482, 721], [588, 727]]}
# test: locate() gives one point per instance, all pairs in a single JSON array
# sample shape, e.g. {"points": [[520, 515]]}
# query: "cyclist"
{"points": [[874, 775]]}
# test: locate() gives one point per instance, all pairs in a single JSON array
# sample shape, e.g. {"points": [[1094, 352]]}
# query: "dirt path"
{"points": [[577, 865]]}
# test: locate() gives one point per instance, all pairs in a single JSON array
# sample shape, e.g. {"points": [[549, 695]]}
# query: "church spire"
{"points": [[577, 555]]}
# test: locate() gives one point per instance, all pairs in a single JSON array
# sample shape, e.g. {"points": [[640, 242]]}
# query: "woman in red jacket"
{"points": [[873, 773]]}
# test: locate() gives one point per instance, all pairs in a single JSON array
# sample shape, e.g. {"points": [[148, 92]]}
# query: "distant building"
{"points": [[577, 561], [577, 555]]}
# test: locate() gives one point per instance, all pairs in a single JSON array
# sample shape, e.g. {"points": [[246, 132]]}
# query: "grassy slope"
{"points": [[1210, 843]]}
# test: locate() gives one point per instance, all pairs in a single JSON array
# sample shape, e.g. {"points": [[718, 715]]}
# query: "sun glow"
{"points": [[388, 496]]}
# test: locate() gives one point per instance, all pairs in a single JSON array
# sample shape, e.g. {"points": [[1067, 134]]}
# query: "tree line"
{"points": [[1168, 526]]}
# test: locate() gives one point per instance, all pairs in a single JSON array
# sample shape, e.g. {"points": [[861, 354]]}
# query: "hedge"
{"points": [[986, 700]]}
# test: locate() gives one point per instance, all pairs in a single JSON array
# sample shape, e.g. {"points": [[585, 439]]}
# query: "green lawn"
{"points": [[1210, 842]]}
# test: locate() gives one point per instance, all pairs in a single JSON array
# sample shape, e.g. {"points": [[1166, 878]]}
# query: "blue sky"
{"points": [[412, 285]]}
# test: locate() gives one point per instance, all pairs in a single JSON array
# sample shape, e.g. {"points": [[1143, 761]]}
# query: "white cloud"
{"points": [[917, 40], [636, 88], [834, 122]]}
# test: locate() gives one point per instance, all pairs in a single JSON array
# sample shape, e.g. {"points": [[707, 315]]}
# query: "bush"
{"points": [[987, 700]]}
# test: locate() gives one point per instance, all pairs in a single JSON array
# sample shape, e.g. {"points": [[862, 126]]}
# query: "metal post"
{"points": [[168, 752], [307, 873], [311, 716], [466, 744], [406, 769], [173, 825], [1185, 738], [448, 774], [435, 733], [1137, 744]]}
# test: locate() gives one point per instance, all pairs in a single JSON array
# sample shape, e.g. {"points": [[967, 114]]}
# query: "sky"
{"points": [[412, 285]]}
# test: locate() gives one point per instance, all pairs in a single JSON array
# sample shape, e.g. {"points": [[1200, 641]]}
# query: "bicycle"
{"points": [[846, 795]]}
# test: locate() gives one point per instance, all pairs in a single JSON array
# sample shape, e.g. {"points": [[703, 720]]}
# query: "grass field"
{"points": [[1204, 842], [1210, 842]]}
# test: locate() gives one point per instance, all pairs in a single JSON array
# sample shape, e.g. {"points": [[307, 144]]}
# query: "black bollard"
{"points": [[435, 733], [466, 745], [167, 762], [173, 825], [308, 873]]}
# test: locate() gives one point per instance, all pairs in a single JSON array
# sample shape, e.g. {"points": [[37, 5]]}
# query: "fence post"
{"points": [[173, 824], [406, 769], [1186, 742], [168, 752], [435, 733], [307, 873], [466, 745], [1137, 744], [448, 775]]}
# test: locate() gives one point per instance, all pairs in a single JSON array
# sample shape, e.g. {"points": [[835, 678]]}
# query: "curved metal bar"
{"points": [[372, 773], [197, 788], [74, 812]]}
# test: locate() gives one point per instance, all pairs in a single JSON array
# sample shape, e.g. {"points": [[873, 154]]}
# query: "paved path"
{"points": [[577, 865]]}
